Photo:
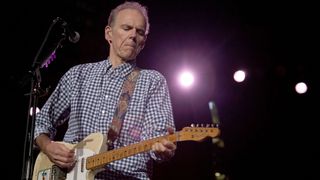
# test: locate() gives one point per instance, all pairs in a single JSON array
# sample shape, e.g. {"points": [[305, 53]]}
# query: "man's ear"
{"points": [[144, 42], [108, 34]]}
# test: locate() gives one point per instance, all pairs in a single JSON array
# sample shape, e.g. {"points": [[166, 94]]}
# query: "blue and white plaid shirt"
{"points": [[87, 95]]}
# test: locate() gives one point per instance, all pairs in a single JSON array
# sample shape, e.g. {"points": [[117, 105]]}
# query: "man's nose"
{"points": [[133, 33]]}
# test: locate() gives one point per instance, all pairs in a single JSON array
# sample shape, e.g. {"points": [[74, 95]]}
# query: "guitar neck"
{"points": [[99, 160], [187, 134]]}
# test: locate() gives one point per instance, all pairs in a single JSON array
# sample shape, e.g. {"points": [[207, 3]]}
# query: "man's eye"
{"points": [[141, 32], [126, 28]]}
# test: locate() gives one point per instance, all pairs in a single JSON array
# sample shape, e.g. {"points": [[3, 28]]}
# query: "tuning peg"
{"points": [[197, 125], [192, 125], [207, 125]]}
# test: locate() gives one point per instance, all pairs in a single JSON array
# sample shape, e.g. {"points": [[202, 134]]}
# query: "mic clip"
{"points": [[73, 36]]}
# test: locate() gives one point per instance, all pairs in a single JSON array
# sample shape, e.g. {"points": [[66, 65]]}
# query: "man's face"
{"points": [[127, 35]]}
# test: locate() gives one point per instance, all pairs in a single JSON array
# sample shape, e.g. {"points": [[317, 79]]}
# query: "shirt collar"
{"points": [[122, 70]]}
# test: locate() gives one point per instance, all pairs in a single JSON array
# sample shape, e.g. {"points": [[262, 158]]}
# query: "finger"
{"points": [[170, 130], [65, 164], [66, 159], [168, 144], [63, 156], [58, 148], [153, 148], [67, 150], [158, 147]]}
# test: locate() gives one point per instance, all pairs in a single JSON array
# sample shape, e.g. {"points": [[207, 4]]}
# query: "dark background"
{"points": [[268, 130]]}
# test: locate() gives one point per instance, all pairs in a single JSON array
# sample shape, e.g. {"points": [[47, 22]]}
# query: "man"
{"points": [[88, 94]]}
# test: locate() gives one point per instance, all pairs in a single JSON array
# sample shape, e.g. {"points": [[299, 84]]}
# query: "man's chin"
{"points": [[129, 58], [129, 54]]}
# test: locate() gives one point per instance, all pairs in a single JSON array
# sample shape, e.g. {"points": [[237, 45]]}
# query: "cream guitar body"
{"points": [[93, 144]]}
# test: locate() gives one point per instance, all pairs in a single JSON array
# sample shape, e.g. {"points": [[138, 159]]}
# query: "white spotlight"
{"points": [[239, 76], [31, 110], [301, 88], [186, 79]]}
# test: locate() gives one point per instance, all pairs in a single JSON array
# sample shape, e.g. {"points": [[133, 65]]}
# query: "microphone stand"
{"points": [[34, 94]]}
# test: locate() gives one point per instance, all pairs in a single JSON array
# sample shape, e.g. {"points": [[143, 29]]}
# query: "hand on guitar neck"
{"points": [[164, 149]]}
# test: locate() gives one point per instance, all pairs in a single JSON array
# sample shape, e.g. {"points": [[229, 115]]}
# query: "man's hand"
{"points": [[165, 149], [58, 153]]}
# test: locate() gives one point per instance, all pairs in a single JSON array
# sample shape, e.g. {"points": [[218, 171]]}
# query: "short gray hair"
{"points": [[130, 5]]}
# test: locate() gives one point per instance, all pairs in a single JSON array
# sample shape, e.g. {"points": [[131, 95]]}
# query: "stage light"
{"points": [[239, 76], [31, 111], [186, 79], [301, 88]]}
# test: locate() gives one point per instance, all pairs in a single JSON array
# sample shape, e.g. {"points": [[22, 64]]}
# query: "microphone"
{"points": [[216, 122], [214, 114], [73, 35]]}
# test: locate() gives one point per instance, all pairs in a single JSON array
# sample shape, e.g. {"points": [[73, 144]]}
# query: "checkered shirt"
{"points": [[87, 96]]}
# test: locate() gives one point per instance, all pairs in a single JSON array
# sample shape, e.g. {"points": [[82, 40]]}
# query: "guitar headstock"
{"points": [[198, 133]]}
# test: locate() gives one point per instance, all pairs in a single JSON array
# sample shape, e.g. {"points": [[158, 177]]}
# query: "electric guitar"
{"points": [[92, 154]]}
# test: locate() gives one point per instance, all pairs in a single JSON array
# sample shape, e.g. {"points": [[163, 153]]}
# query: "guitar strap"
{"points": [[125, 97]]}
